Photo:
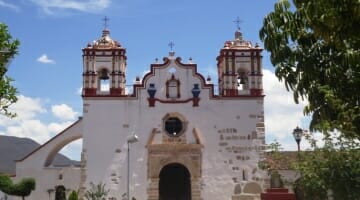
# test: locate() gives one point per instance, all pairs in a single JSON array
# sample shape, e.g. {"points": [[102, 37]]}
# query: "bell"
{"points": [[242, 81], [103, 74]]}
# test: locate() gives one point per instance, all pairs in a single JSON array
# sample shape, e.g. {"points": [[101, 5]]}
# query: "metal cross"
{"points": [[106, 20], [238, 21], [171, 45]]}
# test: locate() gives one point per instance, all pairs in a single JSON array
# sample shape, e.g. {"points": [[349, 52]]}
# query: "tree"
{"points": [[8, 49], [314, 46], [96, 192], [22, 189], [334, 167], [274, 159], [73, 195]]}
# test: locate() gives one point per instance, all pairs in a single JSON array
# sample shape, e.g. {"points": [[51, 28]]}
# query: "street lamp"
{"points": [[131, 139], [298, 133]]}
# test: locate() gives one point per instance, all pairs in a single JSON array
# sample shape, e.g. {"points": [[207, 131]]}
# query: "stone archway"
{"points": [[171, 157], [167, 158], [60, 192], [174, 182]]}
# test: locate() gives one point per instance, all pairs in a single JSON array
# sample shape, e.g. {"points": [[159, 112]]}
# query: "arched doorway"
{"points": [[175, 183], [60, 192]]}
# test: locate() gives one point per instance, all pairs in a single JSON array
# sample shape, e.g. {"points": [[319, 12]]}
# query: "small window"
{"points": [[244, 175], [173, 88]]}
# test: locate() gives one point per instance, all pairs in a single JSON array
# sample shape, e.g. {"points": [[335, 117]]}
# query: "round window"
{"points": [[173, 126]]}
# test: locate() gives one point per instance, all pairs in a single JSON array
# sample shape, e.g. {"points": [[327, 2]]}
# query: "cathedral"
{"points": [[174, 135]]}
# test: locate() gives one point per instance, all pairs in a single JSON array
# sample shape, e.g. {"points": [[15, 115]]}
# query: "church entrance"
{"points": [[175, 183]]}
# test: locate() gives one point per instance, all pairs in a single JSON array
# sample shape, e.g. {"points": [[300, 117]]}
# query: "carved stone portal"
{"points": [[161, 155]]}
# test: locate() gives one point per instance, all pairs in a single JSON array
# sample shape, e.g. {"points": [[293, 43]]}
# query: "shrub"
{"points": [[73, 195]]}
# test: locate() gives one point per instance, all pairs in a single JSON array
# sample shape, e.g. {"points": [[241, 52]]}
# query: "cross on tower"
{"points": [[237, 22], [171, 45], [106, 20]]}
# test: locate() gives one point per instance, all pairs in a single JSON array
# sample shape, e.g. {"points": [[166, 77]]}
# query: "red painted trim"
{"points": [[277, 194], [256, 92], [62, 132], [171, 101], [196, 102], [116, 91], [106, 95], [166, 64], [153, 100], [89, 92], [225, 53]]}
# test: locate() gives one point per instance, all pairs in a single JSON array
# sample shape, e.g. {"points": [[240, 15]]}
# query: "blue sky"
{"points": [[52, 33]]}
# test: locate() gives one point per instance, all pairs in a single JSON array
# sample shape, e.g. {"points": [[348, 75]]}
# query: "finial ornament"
{"points": [[171, 45], [238, 21], [106, 20]]}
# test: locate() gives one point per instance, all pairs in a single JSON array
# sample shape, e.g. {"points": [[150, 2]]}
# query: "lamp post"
{"points": [[132, 139], [298, 133]]}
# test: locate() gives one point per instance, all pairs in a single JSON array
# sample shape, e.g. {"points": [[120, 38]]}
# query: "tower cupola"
{"points": [[105, 41], [104, 67], [240, 68]]}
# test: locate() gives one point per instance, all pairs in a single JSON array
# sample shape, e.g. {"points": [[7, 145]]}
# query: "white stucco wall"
{"points": [[226, 126], [48, 177], [108, 123]]}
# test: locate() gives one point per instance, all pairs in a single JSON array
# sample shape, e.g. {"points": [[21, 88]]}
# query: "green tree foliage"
{"points": [[334, 167], [8, 49], [73, 195], [96, 192], [22, 189], [274, 159], [314, 46]]}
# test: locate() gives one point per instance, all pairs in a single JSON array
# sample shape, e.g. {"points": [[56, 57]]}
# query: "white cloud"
{"points": [[44, 59], [50, 6], [282, 115], [64, 112], [33, 129], [58, 127], [26, 108], [9, 5], [28, 122]]}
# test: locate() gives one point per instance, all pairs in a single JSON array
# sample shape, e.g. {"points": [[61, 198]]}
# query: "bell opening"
{"points": [[104, 75]]}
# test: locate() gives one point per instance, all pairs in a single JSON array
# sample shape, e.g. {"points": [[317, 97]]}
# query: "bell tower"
{"points": [[104, 67], [240, 68]]}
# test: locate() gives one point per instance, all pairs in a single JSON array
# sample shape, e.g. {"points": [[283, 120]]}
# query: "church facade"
{"points": [[171, 137]]}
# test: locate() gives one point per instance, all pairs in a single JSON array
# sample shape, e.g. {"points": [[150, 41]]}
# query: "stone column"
{"points": [[195, 189], [153, 189]]}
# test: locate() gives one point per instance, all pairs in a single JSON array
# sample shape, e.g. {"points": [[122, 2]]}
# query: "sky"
{"points": [[48, 69]]}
